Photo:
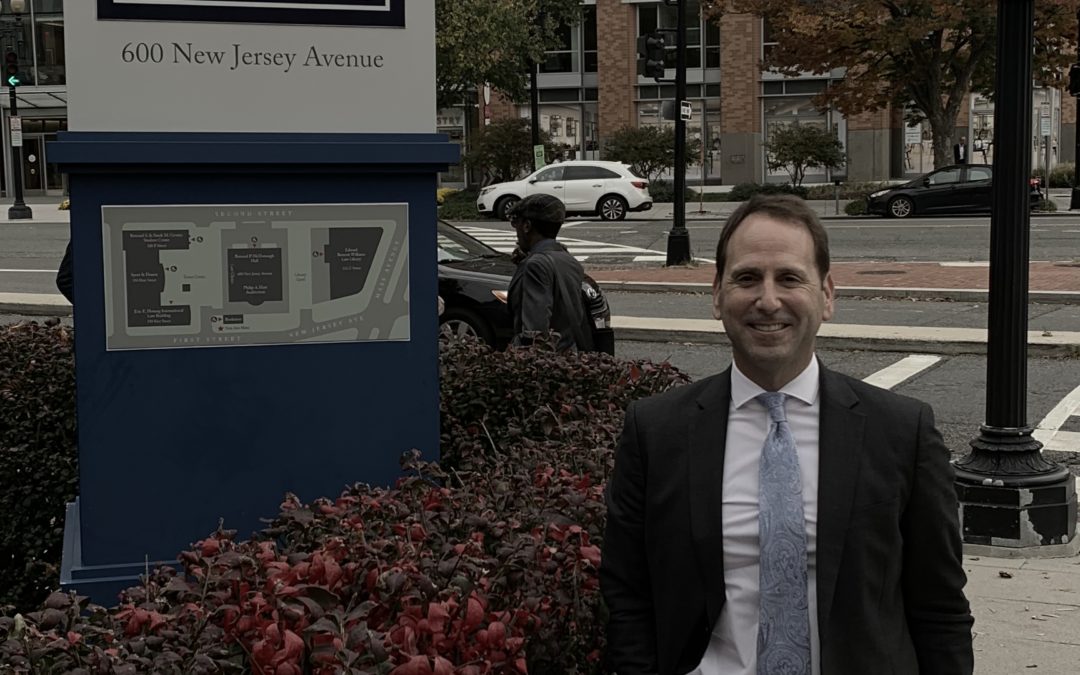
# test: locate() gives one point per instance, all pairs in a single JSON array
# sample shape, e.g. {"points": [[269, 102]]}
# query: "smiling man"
{"points": [[780, 518]]}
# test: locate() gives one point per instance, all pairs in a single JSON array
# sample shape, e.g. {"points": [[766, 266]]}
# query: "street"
{"points": [[959, 239]]}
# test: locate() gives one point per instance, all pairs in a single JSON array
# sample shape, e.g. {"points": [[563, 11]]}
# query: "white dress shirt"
{"points": [[732, 649]]}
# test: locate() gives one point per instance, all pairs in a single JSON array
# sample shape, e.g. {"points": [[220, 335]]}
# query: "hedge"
{"points": [[485, 563], [38, 457]]}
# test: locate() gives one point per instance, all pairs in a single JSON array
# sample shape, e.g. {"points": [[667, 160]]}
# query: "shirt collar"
{"points": [[804, 387]]}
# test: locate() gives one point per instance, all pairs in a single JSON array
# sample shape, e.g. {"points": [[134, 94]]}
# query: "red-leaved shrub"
{"points": [[483, 563]]}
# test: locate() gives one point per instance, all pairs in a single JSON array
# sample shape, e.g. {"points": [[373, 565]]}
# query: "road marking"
{"points": [[902, 370], [30, 271], [573, 223], [582, 249], [965, 264], [1049, 433]]}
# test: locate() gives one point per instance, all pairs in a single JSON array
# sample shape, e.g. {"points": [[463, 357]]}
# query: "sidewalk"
{"points": [[1027, 615]]}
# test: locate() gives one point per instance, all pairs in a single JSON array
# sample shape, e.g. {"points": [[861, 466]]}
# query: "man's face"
{"points": [[772, 299], [522, 229]]}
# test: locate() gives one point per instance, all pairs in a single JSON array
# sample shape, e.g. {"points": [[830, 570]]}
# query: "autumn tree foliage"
{"points": [[923, 54], [481, 41]]}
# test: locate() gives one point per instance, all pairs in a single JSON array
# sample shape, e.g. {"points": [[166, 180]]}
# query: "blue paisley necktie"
{"points": [[783, 644]]}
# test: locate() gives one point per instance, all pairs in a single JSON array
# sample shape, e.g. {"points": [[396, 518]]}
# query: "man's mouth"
{"points": [[768, 327]]}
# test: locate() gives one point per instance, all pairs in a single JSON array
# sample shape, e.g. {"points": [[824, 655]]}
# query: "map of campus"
{"points": [[236, 275]]}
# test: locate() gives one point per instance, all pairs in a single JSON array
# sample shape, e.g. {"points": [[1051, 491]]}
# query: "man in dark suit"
{"points": [[780, 518], [959, 152]]}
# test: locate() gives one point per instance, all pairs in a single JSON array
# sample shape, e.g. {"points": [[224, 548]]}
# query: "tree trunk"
{"points": [[942, 129]]}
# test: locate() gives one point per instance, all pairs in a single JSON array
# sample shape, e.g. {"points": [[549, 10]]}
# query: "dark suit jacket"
{"points": [[545, 294], [960, 154], [889, 575]]}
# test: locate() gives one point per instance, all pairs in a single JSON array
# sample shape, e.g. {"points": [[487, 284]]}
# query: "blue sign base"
{"points": [[172, 440]]}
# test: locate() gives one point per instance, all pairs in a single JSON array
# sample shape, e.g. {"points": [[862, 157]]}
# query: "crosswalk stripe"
{"points": [[902, 370], [1048, 432], [505, 242]]}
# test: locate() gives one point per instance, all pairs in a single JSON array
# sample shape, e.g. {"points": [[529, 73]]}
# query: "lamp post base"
{"points": [[678, 247], [20, 212], [1010, 496]]}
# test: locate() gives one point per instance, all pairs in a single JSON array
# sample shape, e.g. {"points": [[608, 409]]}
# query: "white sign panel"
{"points": [[254, 274], [15, 124], [686, 110], [285, 66], [913, 135], [1044, 126]]}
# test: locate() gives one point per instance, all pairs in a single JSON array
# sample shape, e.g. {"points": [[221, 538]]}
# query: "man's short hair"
{"points": [[545, 212], [783, 207]]}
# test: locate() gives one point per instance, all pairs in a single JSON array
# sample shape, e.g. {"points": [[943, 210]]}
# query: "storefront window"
{"points": [[784, 111], [49, 41]]}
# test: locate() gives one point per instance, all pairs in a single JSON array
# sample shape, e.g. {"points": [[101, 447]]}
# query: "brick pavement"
{"points": [[1043, 276]]}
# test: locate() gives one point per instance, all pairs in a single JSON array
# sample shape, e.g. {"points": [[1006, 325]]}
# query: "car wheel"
{"points": [[503, 206], [611, 207], [456, 323], [901, 207]]}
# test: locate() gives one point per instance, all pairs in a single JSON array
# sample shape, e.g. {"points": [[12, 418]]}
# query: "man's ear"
{"points": [[717, 298]]}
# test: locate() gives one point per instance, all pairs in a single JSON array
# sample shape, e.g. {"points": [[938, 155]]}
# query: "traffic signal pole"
{"points": [[1074, 90], [19, 210], [678, 243]]}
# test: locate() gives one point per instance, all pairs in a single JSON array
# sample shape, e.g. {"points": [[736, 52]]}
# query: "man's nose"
{"points": [[768, 299]]}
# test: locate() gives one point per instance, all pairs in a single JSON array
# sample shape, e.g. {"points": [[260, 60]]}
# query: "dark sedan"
{"points": [[473, 282], [961, 188]]}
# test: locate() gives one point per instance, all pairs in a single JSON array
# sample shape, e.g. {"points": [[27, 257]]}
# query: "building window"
{"points": [[588, 22], [564, 58], [48, 19], [655, 17]]}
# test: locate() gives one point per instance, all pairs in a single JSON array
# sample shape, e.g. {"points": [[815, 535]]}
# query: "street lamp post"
{"points": [[1012, 499], [678, 243], [19, 210]]}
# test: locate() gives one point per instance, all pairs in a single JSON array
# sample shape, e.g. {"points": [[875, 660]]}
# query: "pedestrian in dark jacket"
{"points": [[545, 292], [65, 276]]}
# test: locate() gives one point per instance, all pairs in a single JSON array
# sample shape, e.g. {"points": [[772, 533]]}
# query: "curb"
{"points": [[954, 294], [951, 341], [35, 304]]}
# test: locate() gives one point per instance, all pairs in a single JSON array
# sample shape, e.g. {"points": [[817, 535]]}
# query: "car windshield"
{"points": [[455, 245]]}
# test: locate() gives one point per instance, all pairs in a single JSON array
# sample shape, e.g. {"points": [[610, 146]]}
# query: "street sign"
{"points": [[686, 110], [1044, 126], [16, 132], [913, 135], [538, 157]]}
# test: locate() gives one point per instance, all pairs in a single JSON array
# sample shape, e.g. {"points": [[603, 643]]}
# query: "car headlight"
{"points": [[484, 191], [879, 193], [500, 295]]}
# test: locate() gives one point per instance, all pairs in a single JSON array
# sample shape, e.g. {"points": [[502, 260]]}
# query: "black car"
{"points": [[960, 188], [473, 282]]}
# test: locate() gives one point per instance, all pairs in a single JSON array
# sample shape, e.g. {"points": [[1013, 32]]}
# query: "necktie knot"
{"points": [[774, 401]]}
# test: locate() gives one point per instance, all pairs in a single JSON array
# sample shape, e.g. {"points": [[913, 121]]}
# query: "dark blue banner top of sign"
{"points": [[321, 12]]}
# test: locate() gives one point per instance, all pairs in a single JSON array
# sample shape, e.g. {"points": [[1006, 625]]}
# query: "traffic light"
{"points": [[1074, 80], [651, 52], [11, 68]]}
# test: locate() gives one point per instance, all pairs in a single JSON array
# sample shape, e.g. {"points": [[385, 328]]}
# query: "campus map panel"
{"points": [[243, 275]]}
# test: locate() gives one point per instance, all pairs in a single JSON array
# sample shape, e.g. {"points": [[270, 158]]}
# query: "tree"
{"points": [[503, 149], [649, 149], [798, 147], [494, 42], [922, 54]]}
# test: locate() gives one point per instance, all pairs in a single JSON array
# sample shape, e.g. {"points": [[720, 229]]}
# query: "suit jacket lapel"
{"points": [[840, 449], [707, 435]]}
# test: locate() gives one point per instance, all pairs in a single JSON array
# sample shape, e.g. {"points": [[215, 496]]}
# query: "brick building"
{"points": [[589, 87]]}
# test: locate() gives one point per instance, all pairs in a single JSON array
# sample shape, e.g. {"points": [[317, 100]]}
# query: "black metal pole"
{"points": [[1074, 202], [998, 479], [18, 210], [534, 96], [534, 110], [678, 244]]}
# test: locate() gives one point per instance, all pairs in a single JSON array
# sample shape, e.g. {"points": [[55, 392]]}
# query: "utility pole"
{"points": [[534, 104], [678, 243], [1074, 90]]}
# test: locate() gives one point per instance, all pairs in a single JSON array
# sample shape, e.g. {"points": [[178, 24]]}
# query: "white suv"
{"points": [[607, 189]]}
